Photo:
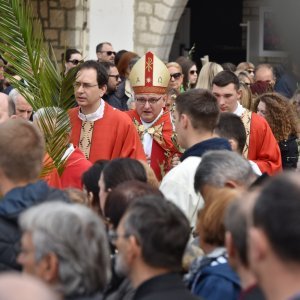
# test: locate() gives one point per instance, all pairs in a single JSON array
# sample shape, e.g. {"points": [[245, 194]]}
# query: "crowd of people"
{"points": [[177, 184]]}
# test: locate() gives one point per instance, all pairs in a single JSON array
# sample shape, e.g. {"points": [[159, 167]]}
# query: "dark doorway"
{"points": [[214, 30]]}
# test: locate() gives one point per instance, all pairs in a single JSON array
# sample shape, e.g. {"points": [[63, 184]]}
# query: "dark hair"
{"points": [[230, 126], [119, 55], [186, 65], [119, 198], [123, 169], [277, 211], [100, 46], [161, 229], [236, 224], [102, 76], [107, 65], [228, 66], [224, 78], [201, 106], [90, 179], [67, 55]]}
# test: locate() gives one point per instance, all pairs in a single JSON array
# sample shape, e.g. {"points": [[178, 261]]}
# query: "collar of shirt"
{"points": [[97, 115], [239, 110], [148, 125]]}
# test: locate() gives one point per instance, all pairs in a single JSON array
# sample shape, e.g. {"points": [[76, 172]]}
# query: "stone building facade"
{"points": [[66, 23]]}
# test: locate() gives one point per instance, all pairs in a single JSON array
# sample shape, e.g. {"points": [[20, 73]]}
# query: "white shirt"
{"points": [[147, 138], [97, 115]]}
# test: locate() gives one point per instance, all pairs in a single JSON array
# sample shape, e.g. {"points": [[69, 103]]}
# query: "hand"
{"points": [[175, 161]]}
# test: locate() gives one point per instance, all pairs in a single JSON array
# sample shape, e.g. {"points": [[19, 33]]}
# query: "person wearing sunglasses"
{"points": [[176, 76], [189, 71], [71, 58], [105, 52], [149, 79]]}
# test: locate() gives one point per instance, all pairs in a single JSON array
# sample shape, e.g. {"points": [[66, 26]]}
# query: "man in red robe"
{"points": [[261, 146], [149, 79], [99, 130]]}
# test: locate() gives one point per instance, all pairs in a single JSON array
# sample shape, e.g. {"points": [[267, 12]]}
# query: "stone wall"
{"points": [[64, 23], [155, 25]]}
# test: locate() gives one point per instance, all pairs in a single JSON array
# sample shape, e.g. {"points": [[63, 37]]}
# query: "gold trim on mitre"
{"points": [[149, 75]]}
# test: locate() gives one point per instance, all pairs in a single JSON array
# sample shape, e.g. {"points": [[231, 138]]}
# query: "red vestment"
{"points": [[76, 164], [263, 147], [163, 147], [113, 135]]}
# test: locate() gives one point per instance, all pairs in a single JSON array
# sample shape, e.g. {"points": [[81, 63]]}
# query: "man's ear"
{"points": [[258, 245], [239, 93], [48, 268], [184, 120], [135, 247], [229, 245], [233, 144], [103, 90]]}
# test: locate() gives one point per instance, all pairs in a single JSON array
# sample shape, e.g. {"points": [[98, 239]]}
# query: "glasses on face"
{"points": [[175, 75], [75, 62], [192, 72], [109, 53], [250, 71], [151, 101], [113, 236], [84, 85], [115, 76]]}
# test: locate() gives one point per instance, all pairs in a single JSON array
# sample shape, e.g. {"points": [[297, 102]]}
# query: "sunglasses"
{"points": [[115, 76], [192, 72], [250, 71], [75, 62], [109, 53], [175, 75]]}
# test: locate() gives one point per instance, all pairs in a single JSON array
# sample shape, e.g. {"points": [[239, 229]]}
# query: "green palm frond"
{"points": [[22, 46]]}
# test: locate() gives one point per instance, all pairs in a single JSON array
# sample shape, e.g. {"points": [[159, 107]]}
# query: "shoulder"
{"points": [[115, 115]]}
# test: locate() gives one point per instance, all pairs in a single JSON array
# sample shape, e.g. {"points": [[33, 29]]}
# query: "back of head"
{"points": [[15, 286], [224, 78], [57, 227], [22, 150], [230, 126], [276, 212], [123, 169], [207, 74], [123, 63], [201, 106], [125, 193], [219, 167], [161, 230], [102, 76], [229, 66], [210, 223]]}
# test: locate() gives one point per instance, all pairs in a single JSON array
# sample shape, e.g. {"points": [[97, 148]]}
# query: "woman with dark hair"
{"points": [[189, 70], [278, 112], [117, 171], [70, 59], [90, 180]]}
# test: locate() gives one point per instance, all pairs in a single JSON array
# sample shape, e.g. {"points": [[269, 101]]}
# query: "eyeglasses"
{"points": [[250, 71], [175, 75], [109, 53], [75, 61], [115, 76], [84, 85], [151, 101], [192, 72], [113, 236]]}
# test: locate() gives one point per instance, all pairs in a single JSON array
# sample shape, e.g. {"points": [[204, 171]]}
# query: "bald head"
{"points": [[14, 286], [4, 108]]}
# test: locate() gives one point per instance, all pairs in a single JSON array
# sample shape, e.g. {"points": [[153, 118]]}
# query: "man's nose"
{"points": [[147, 105]]}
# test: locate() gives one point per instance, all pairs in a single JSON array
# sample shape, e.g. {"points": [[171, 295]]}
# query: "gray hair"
{"points": [[220, 166], [77, 236], [13, 95]]}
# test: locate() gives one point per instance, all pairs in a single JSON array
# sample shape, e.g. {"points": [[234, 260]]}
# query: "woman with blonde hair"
{"points": [[207, 74], [176, 80], [281, 117]]}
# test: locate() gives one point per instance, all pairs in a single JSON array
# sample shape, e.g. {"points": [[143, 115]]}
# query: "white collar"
{"points": [[68, 152], [148, 125], [239, 110], [97, 115]]}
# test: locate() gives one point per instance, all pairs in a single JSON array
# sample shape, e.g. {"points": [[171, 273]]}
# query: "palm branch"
{"points": [[22, 46]]}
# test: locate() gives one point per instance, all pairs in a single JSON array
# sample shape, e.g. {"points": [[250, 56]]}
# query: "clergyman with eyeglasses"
{"points": [[99, 130], [149, 79]]}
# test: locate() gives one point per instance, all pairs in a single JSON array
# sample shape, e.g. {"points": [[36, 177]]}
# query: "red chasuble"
{"points": [[113, 135], [163, 148], [263, 147]]}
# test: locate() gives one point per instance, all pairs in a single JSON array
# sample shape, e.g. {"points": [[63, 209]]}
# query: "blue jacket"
{"points": [[12, 205], [213, 279]]}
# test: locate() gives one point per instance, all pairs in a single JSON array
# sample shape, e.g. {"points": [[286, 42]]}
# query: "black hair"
{"points": [[224, 78]]}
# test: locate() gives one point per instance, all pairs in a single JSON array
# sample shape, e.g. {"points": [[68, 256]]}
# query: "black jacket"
{"points": [[12, 205], [164, 287]]}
